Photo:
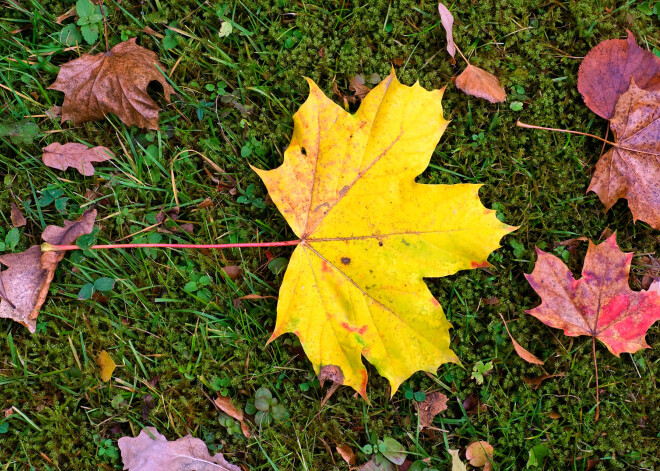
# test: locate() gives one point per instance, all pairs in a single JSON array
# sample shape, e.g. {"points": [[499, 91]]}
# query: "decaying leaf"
{"points": [[76, 155], [347, 454], [600, 304], [107, 365], [144, 453], [233, 272], [480, 454], [631, 170], [456, 463], [520, 350], [29, 273], [447, 20], [226, 406], [477, 82], [370, 234], [358, 87], [434, 403], [17, 218], [606, 72], [112, 82]]}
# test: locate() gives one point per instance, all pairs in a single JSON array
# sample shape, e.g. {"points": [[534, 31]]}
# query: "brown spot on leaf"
{"points": [[345, 260]]}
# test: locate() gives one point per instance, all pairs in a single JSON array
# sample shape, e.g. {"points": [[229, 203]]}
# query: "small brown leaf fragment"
{"points": [[477, 82], [29, 273], [480, 454], [448, 24], [434, 403], [520, 350], [70, 13], [358, 87], [554, 415], [631, 170], [17, 218], [143, 453], [207, 203], [107, 365], [233, 272], [112, 82], [347, 454], [607, 70], [334, 374], [226, 406], [54, 111], [76, 155], [536, 382]]}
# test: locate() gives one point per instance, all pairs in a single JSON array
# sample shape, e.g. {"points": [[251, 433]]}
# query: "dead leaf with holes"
{"points": [[369, 234], [75, 155], [151, 451], [29, 274], [434, 403], [112, 82]]}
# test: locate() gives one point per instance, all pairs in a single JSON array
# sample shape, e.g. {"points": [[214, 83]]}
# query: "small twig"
{"points": [[593, 349], [531, 126]]}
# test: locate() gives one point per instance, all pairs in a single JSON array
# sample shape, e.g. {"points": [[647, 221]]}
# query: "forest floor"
{"points": [[172, 322]]}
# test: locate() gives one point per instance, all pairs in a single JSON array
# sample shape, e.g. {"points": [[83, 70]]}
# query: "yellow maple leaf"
{"points": [[370, 234]]}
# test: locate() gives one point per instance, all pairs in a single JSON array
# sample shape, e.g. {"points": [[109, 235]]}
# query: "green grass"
{"points": [[177, 348]]}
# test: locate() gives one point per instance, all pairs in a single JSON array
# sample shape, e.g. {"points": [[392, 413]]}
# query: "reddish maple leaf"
{"points": [[631, 169], [607, 69], [600, 304]]}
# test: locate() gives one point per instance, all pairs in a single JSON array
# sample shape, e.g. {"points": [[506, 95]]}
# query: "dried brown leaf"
{"points": [[233, 272], [536, 382], [434, 403], [358, 87], [448, 24], [606, 72], [143, 453], [17, 218], [631, 170], [477, 82], [112, 82], [29, 273], [226, 406], [520, 350], [347, 454], [76, 155]]}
